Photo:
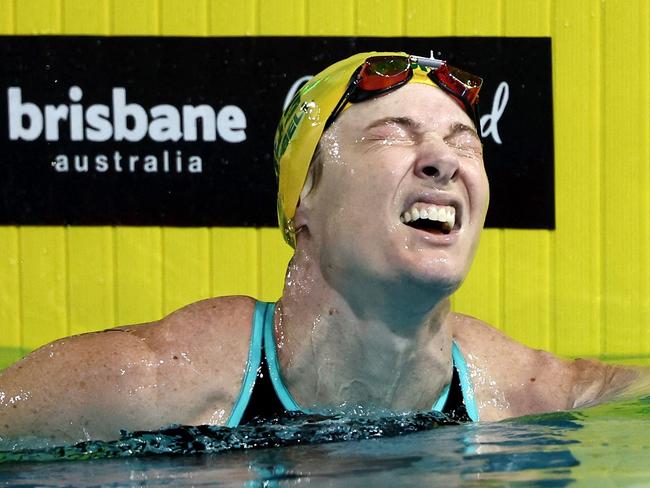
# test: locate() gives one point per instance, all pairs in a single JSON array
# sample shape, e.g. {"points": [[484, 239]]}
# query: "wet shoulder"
{"points": [[216, 327], [510, 378], [479, 338], [211, 336]]}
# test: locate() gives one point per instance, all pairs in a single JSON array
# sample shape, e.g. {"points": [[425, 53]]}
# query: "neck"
{"points": [[378, 349]]}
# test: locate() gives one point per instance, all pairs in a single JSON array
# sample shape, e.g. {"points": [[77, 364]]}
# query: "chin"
{"points": [[439, 283], [437, 271]]}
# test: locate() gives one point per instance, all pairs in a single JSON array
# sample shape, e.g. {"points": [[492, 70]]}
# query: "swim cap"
{"points": [[301, 127]]}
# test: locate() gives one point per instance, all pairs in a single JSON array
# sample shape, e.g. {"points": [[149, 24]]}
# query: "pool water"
{"points": [[608, 445]]}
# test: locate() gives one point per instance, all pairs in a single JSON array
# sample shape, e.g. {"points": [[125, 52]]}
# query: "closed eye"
{"points": [[464, 138]]}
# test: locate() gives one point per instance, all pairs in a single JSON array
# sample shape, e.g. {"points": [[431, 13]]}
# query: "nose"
{"points": [[437, 161]]}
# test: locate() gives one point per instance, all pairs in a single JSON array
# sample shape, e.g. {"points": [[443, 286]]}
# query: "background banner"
{"points": [[179, 131]]}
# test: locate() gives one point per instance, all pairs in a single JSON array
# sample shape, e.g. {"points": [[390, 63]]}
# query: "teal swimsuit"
{"points": [[264, 394]]}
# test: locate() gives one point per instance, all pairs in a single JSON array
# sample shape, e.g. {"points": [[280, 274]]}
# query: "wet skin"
{"points": [[364, 318]]}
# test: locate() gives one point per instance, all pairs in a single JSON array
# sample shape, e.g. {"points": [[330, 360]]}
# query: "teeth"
{"points": [[445, 214]]}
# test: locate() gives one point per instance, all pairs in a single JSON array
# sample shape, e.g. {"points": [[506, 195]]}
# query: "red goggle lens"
{"points": [[464, 85], [382, 72]]}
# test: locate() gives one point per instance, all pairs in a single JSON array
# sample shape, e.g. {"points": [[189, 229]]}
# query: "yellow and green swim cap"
{"points": [[301, 127]]}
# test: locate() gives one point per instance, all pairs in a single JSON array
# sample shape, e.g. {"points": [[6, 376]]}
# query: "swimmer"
{"points": [[383, 195]]}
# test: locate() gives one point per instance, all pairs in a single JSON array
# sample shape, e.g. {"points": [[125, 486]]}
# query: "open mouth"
{"points": [[435, 219]]}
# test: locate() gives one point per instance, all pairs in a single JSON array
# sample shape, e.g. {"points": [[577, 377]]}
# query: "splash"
{"points": [[289, 430]]}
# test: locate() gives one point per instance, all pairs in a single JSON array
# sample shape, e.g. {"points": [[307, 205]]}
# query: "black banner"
{"points": [[179, 131]]}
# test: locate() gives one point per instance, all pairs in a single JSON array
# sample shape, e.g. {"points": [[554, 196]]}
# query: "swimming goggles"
{"points": [[381, 74]]}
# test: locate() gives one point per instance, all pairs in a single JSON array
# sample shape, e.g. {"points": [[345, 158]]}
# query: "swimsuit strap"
{"points": [[442, 405], [274, 367], [465, 381], [254, 357]]}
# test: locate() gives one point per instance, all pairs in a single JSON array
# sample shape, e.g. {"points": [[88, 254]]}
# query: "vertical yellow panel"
{"points": [[644, 159], [624, 172], [184, 18], [232, 17], [527, 17], [10, 323], [135, 18], [286, 18], [330, 17], [379, 18], [527, 308], [186, 266], [481, 294], [428, 18], [90, 278], [477, 17], [6, 16], [274, 256], [38, 16], [84, 17], [235, 269], [138, 274], [42, 284], [576, 289]]}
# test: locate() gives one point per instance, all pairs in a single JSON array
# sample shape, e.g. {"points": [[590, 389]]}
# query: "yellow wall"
{"points": [[581, 290]]}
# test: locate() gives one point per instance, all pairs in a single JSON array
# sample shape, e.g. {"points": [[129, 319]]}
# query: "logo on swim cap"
{"points": [[290, 120], [286, 128]]}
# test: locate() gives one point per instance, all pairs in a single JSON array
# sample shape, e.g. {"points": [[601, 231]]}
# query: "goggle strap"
{"points": [[344, 99]]}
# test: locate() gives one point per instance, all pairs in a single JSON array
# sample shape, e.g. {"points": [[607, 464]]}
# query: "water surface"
{"points": [[606, 445]]}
